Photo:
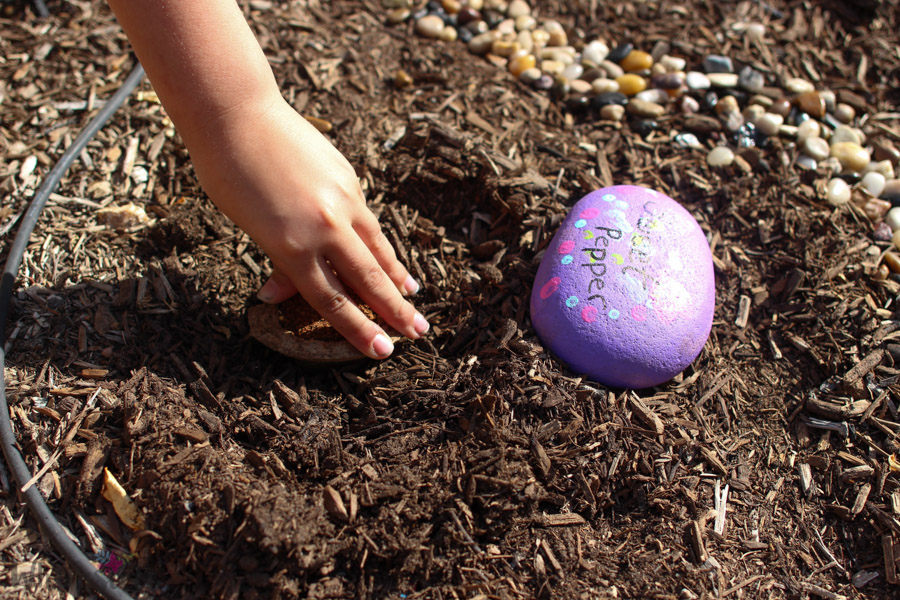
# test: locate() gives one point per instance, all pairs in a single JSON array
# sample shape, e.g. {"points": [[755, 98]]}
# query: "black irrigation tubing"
{"points": [[74, 556]]}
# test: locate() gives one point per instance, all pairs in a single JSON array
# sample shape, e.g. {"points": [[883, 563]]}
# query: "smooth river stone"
{"points": [[625, 293]]}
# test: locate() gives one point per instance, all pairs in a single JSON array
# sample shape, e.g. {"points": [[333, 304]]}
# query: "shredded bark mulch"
{"points": [[471, 464]]}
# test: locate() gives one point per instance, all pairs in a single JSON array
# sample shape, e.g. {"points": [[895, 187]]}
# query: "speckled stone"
{"points": [[751, 80], [715, 63], [720, 156], [883, 231], [625, 292]]}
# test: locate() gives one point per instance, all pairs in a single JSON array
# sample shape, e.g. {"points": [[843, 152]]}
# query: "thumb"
{"points": [[277, 289]]}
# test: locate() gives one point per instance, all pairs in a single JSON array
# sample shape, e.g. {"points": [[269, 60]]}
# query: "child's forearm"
{"points": [[201, 56]]}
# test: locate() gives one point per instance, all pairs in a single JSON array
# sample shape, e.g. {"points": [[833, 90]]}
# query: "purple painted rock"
{"points": [[625, 292]]}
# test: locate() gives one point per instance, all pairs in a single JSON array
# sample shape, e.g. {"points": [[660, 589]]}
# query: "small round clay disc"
{"points": [[295, 329]]}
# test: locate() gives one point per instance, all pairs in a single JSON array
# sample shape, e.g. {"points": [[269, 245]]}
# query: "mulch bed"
{"points": [[471, 464]]}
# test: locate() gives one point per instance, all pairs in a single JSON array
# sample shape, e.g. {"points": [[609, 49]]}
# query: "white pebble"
{"points": [[697, 80], [842, 133], [595, 52], [653, 95], [603, 85], [837, 192], [806, 162], [795, 85], [882, 166], [816, 147], [808, 129], [892, 218], [573, 71], [720, 156], [769, 123], [672, 64], [723, 80], [873, 183]]}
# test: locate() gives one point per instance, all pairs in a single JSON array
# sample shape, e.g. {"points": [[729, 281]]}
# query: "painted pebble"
{"points": [[625, 292]]}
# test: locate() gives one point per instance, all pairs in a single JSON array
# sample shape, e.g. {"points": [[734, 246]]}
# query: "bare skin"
{"points": [[269, 170]]}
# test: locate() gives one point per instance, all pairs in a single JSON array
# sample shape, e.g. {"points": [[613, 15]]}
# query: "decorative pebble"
{"points": [[613, 70], [525, 23], [882, 166], [448, 34], [853, 157], [811, 103], [875, 208], [618, 53], [727, 104], [715, 63], [808, 129], [796, 85], [637, 60], [595, 52], [844, 134], [644, 109], [891, 190], [806, 162], [844, 113], [873, 183], [837, 192], [753, 113], [630, 84], [625, 292], [398, 15], [751, 80], [552, 67], [816, 147], [573, 71], [882, 231], [653, 95], [781, 107], [892, 218], [885, 151], [895, 240], [723, 80], [688, 140], [688, 105], [451, 6], [529, 76], [769, 123], [482, 42], [518, 8], [520, 64], [612, 112], [467, 14], [617, 98], [672, 64], [603, 85], [720, 156], [430, 26], [580, 86]]}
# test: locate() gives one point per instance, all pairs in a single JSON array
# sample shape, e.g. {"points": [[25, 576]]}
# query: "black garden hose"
{"points": [[76, 558]]}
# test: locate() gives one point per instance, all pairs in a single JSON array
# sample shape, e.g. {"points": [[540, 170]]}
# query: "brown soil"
{"points": [[471, 464]]}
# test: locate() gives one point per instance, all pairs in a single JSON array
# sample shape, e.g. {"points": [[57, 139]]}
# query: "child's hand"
{"points": [[297, 196]]}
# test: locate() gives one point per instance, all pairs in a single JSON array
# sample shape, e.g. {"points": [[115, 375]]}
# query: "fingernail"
{"points": [[382, 346], [267, 292], [411, 285], [420, 324]]}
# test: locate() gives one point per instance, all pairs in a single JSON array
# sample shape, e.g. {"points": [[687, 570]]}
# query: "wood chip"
{"points": [[334, 504]]}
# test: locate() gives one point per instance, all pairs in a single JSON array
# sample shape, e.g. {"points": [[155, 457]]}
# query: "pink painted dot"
{"points": [[566, 247], [589, 314], [639, 313], [589, 213], [549, 288]]}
